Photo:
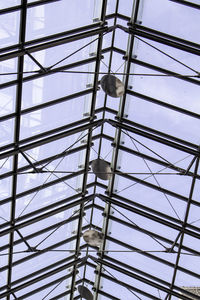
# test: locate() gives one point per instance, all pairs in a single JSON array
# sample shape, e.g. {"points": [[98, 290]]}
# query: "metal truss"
{"points": [[94, 197]]}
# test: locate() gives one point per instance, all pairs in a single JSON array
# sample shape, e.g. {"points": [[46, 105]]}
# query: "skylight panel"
{"points": [[172, 18]]}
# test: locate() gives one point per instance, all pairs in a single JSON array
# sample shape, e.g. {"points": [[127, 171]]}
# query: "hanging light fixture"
{"points": [[93, 238], [112, 86], [101, 169], [85, 292]]}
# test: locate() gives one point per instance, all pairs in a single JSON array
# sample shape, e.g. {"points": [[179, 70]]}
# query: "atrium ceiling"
{"points": [[56, 120]]}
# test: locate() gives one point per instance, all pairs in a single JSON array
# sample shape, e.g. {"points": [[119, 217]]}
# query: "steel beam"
{"points": [[53, 43], [39, 278], [52, 138], [40, 252], [153, 257], [157, 188], [41, 210], [157, 136], [47, 104], [52, 36], [153, 234], [106, 295], [43, 186], [42, 74], [183, 226], [38, 233], [46, 286], [29, 5], [141, 278], [144, 274], [135, 9], [40, 163], [22, 32], [165, 39], [96, 29], [43, 251], [147, 215], [182, 172], [45, 134], [45, 215], [164, 104], [165, 71], [153, 211], [33, 274], [90, 134], [189, 4], [129, 287]]}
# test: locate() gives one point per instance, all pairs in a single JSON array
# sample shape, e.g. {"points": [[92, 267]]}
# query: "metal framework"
{"points": [[49, 274]]}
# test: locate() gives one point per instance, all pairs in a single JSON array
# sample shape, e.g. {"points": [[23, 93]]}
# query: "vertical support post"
{"points": [[16, 138]]}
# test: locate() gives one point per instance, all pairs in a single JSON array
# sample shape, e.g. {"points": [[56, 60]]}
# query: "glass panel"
{"points": [[7, 104], [185, 280], [190, 262], [7, 67], [171, 90], [127, 8], [6, 3], [172, 18], [39, 22], [141, 235], [52, 117], [42, 283], [5, 211], [142, 262], [65, 54], [53, 87], [193, 1], [194, 214], [121, 39], [9, 28], [48, 195], [3, 277], [7, 132], [166, 57], [110, 8], [163, 119], [5, 185], [130, 281], [6, 165]]}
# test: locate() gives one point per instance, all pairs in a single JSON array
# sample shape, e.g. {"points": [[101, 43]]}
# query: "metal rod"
{"points": [[143, 279], [53, 43], [147, 215], [52, 138], [165, 39], [22, 33], [44, 216], [189, 4], [182, 231]]}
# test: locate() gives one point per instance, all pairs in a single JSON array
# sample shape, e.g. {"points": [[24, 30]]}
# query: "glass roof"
{"points": [[57, 121]]}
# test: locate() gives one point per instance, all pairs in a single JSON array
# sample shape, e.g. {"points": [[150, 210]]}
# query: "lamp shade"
{"points": [[85, 292], [112, 86], [101, 169], [93, 237]]}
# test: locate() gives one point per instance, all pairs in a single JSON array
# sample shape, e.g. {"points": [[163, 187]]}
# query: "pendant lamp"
{"points": [[112, 86], [93, 238], [101, 169], [85, 292]]}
